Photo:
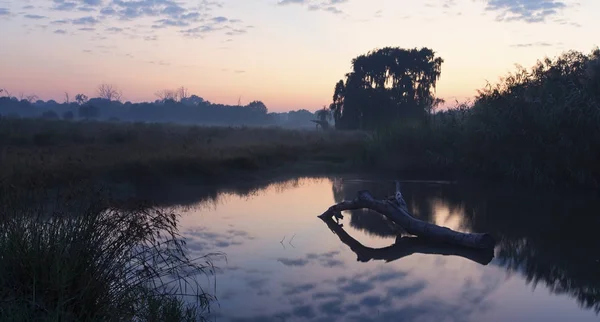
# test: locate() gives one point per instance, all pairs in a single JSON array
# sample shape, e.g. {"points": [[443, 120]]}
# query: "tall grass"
{"points": [[537, 126], [62, 150], [76, 258]]}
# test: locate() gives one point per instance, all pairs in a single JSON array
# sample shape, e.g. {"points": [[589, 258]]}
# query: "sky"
{"points": [[287, 53]]}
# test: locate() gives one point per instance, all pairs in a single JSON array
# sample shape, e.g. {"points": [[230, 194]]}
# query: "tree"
{"points": [[177, 95], [109, 92], [385, 85], [81, 99], [166, 95], [67, 98], [324, 115], [192, 100], [258, 106]]}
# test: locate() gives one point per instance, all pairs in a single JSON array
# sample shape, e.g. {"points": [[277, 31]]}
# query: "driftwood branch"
{"points": [[395, 210], [406, 246]]}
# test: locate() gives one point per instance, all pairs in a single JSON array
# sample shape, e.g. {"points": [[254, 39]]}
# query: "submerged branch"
{"points": [[396, 211]]}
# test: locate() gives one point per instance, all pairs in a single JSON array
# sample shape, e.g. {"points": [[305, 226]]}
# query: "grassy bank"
{"points": [[77, 258], [55, 151], [539, 126]]}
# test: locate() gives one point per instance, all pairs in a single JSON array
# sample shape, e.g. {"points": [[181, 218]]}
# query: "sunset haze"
{"points": [[289, 54]]}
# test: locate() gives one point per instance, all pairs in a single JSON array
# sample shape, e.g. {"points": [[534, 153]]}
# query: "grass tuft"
{"points": [[79, 259]]}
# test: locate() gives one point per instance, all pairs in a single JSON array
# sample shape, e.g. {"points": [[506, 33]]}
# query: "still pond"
{"points": [[285, 264]]}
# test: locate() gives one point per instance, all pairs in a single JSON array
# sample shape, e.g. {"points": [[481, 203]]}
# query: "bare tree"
{"points": [[31, 98], [109, 92], [182, 93], [176, 95], [166, 95], [6, 92], [67, 98]]}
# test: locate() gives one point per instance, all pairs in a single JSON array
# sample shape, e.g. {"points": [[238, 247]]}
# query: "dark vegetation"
{"points": [[173, 106], [539, 126], [38, 152], [81, 256]]}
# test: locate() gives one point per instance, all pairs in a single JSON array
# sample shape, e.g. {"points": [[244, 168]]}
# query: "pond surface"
{"points": [[285, 264]]}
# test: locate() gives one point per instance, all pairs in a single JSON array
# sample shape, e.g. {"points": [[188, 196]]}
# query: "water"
{"points": [[285, 264]]}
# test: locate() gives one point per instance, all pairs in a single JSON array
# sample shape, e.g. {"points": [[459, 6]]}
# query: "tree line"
{"points": [[177, 106]]}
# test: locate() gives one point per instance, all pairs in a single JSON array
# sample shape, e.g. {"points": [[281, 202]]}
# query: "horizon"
{"points": [[288, 54]]}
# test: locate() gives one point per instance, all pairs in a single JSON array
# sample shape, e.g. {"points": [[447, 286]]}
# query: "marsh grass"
{"points": [[78, 258], [49, 151]]}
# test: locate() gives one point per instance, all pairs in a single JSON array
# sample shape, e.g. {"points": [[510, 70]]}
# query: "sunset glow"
{"points": [[289, 53]]}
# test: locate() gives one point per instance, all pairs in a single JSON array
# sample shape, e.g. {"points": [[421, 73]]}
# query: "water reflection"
{"points": [[285, 264]]}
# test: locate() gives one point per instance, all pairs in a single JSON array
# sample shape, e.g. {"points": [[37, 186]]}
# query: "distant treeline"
{"points": [[170, 108]]}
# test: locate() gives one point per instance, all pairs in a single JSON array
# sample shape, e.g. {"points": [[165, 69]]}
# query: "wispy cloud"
{"points": [[4, 12], [533, 44], [531, 11], [312, 5], [35, 17]]}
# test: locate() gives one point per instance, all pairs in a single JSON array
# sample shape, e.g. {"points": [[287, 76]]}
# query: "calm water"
{"points": [[285, 264]]}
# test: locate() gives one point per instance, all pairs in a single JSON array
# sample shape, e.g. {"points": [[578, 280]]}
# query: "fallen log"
{"points": [[395, 209], [406, 246]]}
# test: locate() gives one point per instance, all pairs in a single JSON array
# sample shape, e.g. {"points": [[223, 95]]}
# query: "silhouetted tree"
{"points": [[258, 106], [323, 115], [109, 92], [81, 99], [385, 85]]}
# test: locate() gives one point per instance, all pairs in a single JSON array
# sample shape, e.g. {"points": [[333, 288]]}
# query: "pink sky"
{"points": [[288, 55]]}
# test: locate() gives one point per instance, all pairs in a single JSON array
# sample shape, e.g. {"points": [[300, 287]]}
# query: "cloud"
{"points": [[533, 44], [87, 29], [530, 11], [88, 21], [189, 19], [312, 5], [169, 23], [93, 2], [235, 32], [60, 31], [35, 17], [113, 29], [61, 5]]}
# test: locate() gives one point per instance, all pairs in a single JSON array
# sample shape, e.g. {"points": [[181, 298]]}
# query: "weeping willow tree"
{"points": [[385, 85]]}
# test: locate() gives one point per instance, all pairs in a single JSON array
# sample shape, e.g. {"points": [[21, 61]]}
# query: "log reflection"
{"points": [[406, 246]]}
